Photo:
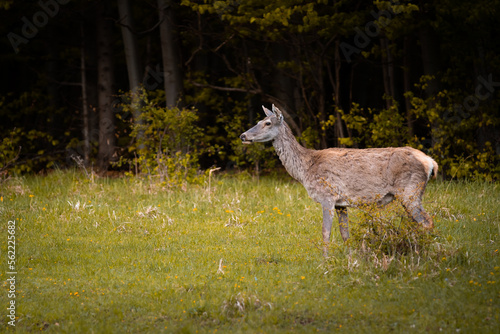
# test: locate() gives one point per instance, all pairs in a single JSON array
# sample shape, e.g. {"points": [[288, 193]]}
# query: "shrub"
{"points": [[455, 131], [24, 151], [388, 232], [165, 142]]}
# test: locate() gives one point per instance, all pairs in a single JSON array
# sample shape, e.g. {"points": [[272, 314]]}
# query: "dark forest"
{"points": [[166, 87]]}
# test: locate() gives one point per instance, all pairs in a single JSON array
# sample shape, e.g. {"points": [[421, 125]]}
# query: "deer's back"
{"points": [[363, 174]]}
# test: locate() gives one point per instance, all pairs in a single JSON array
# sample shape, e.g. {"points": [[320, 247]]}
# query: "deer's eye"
{"points": [[268, 123]]}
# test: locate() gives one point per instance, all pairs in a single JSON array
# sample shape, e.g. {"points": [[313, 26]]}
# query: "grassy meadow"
{"points": [[245, 255]]}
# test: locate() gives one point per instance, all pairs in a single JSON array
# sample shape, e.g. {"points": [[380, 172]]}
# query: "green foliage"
{"points": [[10, 149], [38, 143], [5, 4], [25, 151], [167, 142], [309, 137], [375, 128], [355, 123], [388, 127], [239, 53], [453, 136], [274, 18]]}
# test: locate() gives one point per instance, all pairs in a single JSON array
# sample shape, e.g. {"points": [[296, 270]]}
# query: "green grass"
{"points": [[124, 255]]}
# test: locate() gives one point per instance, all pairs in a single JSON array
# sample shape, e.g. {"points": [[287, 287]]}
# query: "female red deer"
{"points": [[339, 177]]}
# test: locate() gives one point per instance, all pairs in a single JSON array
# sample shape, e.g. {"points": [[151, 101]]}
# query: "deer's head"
{"points": [[266, 129]]}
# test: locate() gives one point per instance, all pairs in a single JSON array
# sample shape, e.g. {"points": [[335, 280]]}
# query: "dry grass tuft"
{"points": [[240, 304]]}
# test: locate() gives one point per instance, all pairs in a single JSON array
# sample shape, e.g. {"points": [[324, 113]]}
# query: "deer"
{"points": [[338, 178]]}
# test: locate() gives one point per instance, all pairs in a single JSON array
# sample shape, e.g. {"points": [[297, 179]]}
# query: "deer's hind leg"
{"points": [[343, 222], [327, 225], [418, 214], [412, 202]]}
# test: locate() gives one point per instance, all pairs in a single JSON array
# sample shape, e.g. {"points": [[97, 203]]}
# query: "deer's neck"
{"points": [[294, 156]]}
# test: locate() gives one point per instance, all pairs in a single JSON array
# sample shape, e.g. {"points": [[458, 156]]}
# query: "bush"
{"points": [[455, 131], [165, 142], [388, 232], [24, 151]]}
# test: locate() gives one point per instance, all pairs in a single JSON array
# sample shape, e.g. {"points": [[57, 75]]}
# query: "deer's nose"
{"points": [[243, 137]]}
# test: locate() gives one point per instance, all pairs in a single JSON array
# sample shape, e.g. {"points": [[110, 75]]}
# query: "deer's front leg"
{"points": [[343, 222], [327, 229]]}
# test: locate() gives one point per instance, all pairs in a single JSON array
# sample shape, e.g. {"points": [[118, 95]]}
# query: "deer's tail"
{"points": [[434, 171]]}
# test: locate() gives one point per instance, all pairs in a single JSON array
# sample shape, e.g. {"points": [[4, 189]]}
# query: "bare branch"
{"points": [[200, 45], [137, 33], [226, 89], [224, 43], [11, 162]]}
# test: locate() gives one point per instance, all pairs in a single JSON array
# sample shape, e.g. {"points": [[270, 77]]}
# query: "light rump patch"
{"points": [[431, 166]]}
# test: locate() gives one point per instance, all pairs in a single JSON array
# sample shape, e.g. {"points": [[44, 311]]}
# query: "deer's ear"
{"points": [[278, 113], [267, 111]]}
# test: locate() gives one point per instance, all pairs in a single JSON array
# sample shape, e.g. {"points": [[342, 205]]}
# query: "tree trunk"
{"points": [[388, 71], [85, 108], [321, 103], [339, 128], [429, 45], [170, 54], [335, 82], [407, 84], [430, 57], [105, 88], [133, 63], [130, 45], [282, 83], [91, 60]]}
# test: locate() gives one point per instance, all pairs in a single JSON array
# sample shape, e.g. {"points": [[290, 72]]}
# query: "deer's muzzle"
{"points": [[244, 139]]}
